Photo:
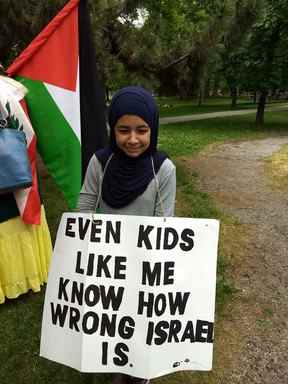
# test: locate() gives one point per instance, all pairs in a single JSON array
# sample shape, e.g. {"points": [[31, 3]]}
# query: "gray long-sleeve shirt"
{"points": [[147, 204]]}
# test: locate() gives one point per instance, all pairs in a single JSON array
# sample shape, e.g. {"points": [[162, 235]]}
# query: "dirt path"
{"points": [[252, 336]]}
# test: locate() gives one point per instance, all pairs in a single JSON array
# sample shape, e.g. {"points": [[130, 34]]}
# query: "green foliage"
{"points": [[169, 52], [185, 48], [237, 33], [266, 51], [19, 24]]}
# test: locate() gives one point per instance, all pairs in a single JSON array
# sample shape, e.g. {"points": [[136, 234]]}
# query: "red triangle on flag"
{"points": [[57, 48]]}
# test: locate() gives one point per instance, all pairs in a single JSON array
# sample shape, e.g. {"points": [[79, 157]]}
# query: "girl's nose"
{"points": [[133, 137]]}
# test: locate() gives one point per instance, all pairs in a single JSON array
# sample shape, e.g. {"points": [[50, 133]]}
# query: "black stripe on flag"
{"points": [[92, 98]]}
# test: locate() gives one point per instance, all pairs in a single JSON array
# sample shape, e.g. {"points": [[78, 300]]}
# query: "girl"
{"points": [[130, 176]]}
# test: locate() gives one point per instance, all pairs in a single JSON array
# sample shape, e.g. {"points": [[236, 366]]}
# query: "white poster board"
{"points": [[131, 294]]}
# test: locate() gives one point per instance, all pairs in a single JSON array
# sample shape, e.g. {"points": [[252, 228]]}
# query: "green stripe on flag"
{"points": [[58, 145]]}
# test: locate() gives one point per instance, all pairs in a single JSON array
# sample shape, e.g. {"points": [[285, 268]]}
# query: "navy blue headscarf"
{"points": [[126, 177]]}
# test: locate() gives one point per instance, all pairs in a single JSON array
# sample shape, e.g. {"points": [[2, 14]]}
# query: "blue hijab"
{"points": [[126, 177]]}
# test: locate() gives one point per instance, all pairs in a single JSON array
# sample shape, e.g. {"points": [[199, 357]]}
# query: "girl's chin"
{"points": [[133, 152]]}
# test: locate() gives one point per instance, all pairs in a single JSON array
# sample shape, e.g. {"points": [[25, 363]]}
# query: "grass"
{"points": [[54, 203], [185, 139], [176, 107], [193, 203], [20, 335], [21, 319], [277, 169]]}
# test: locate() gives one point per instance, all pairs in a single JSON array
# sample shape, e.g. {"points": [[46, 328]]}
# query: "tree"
{"points": [[20, 23], [172, 48], [245, 15], [180, 46], [267, 55]]}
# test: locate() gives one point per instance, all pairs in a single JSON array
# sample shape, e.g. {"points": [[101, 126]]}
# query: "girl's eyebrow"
{"points": [[129, 127]]}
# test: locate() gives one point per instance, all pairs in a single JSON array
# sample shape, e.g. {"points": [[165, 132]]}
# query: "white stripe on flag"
{"points": [[69, 104]]}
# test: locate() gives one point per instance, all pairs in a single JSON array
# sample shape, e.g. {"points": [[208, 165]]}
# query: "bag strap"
{"points": [[158, 187], [101, 181]]}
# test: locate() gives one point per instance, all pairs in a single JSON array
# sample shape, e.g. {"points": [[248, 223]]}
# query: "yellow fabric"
{"points": [[25, 253]]}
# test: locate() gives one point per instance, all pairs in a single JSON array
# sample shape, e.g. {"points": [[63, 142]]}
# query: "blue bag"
{"points": [[15, 170]]}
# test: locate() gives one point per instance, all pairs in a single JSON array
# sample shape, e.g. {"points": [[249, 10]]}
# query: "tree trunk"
{"points": [[261, 109], [207, 88], [202, 79], [167, 78], [254, 97], [216, 85], [270, 54], [201, 93], [200, 98], [234, 97]]}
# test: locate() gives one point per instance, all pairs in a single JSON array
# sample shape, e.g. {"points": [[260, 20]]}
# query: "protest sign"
{"points": [[131, 294]]}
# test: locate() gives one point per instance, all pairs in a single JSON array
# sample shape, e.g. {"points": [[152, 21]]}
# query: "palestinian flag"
{"points": [[65, 99]]}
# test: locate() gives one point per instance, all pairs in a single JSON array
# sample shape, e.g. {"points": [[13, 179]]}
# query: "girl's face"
{"points": [[132, 135]]}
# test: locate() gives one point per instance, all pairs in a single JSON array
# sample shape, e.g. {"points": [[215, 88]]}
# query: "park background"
{"points": [[197, 57]]}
